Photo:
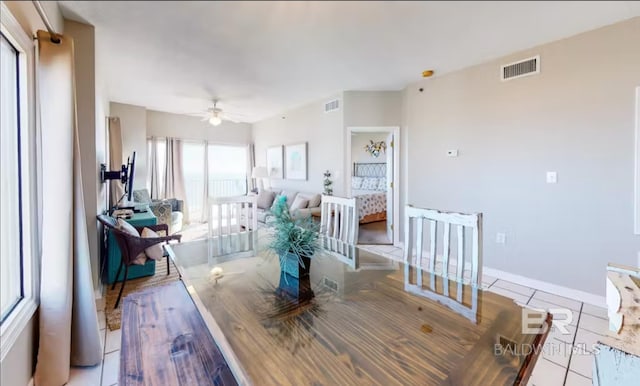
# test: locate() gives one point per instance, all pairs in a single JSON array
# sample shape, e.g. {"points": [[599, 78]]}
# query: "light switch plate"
{"points": [[501, 238], [452, 153], [552, 177]]}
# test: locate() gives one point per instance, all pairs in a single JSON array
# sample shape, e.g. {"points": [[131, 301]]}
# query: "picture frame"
{"points": [[275, 165], [296, 161]]}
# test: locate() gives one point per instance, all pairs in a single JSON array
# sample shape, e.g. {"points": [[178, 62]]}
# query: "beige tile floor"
{"points": [[566, 358]]}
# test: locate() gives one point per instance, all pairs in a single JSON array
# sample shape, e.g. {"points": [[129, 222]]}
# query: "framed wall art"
{"points": [[295, 161]]}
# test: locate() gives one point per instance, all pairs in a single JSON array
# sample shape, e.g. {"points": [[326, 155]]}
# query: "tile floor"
{"points": [[106, 373], [566, 358]]}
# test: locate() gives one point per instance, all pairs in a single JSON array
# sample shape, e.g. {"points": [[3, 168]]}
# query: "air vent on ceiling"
{"points": [[332, 106], [526, 67]]}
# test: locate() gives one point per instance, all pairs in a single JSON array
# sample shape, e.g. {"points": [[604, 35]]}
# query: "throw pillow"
{"points": [[299, 203], [141, 195], [314, 201], [382, 183], [290, 196], [369, 183], [154, 252], [265, 199], [356, 182], [128, 228]]}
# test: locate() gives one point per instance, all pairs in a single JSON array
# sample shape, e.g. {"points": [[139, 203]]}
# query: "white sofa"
{"points": [[266, 199]]}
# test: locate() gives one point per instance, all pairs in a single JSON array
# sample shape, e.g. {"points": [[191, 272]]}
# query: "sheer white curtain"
{"points": [[69, 332]]}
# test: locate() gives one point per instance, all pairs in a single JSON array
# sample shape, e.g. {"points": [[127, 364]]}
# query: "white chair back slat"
{"points": [[461, 262], [446, 249], [339, 226], [420, 241], [433, 225]]}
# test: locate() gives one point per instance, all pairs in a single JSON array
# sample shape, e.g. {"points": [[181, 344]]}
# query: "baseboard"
{"points": [[559, 290], [97, 293], [555, 289]]}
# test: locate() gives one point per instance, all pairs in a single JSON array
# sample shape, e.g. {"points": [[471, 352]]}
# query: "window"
{"points": [[19, 233], [12, 290], [227, 170]]}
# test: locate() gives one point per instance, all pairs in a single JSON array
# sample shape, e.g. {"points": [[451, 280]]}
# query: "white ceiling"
{"points": [[261, 58]]}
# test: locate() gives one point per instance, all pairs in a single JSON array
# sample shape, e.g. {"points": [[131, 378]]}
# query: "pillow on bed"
{"points": [[382, 183], [356, 182], [369, 183]]}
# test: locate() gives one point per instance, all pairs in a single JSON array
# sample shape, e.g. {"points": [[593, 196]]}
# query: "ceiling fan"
{"points": [[215, 115]]}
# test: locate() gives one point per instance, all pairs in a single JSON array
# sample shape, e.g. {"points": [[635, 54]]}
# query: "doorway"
{"points": [[372, 161]]}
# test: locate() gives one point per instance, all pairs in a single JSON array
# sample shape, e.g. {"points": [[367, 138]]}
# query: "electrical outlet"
{"points": [[552, 177], [501, 238]]}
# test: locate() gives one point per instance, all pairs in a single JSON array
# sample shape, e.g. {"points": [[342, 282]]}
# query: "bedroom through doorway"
{"points": [[372, 165]]}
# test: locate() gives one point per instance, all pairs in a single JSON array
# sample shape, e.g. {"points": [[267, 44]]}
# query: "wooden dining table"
{"points": [[352, 324]]}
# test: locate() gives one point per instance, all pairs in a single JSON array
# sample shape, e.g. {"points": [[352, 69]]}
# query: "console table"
{"points": [[114, 257]]}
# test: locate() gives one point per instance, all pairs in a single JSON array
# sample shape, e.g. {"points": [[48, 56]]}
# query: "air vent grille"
{"points": [[332, 106], [331, 284], [526, 67]]}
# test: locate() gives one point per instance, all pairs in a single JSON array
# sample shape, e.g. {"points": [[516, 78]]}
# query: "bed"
{"points": [[369, 187]]}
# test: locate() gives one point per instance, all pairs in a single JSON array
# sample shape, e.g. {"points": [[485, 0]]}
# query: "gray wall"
{"points": [[576, 118], [324, 133], [372, 108], [133, 123], [161, 124]]}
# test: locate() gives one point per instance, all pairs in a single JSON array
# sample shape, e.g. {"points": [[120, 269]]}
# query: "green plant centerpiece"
{"points": [[295, 239]]}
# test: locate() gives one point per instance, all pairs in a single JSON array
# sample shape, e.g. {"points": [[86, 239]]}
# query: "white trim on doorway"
{"points": [[395, 130]]}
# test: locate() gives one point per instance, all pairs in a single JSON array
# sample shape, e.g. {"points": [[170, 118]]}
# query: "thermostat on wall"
{"points": [[452, 153]]}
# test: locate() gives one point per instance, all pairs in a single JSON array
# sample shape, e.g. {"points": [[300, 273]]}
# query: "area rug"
{"points": [[373, 233], [136, 285]]}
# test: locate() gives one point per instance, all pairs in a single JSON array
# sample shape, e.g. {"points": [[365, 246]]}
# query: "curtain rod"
{"points": [[54, 36]]}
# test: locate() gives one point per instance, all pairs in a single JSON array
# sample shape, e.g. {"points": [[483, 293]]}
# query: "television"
{"points": [[126, 176], [131, 167]]}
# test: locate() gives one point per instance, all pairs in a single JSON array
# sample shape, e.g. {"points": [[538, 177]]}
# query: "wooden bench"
{"points": [[166, 342]]}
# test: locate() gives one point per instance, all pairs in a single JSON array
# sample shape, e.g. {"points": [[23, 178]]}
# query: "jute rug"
{"points": [[135, 285]]}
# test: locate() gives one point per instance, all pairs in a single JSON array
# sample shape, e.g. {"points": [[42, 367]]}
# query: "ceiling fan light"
{"points": [[215, 120]]}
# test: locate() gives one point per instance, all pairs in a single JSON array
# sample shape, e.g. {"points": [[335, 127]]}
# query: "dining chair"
{"points": [[447, 281], [339, 227], [228, 215], [440, 259], [131, 246]]}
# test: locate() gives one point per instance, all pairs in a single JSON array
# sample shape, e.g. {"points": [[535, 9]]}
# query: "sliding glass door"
{"points": [[208, 171], [227, 170]]}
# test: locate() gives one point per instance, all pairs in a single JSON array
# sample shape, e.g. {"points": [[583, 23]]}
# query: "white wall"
{"points": [[17, 366], [324, 133], [576, 118], [358, 142], [133, 123], [161, 124]]}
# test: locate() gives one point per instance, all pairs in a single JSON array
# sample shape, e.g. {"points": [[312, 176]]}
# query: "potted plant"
{"points": [[295, 239]]}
